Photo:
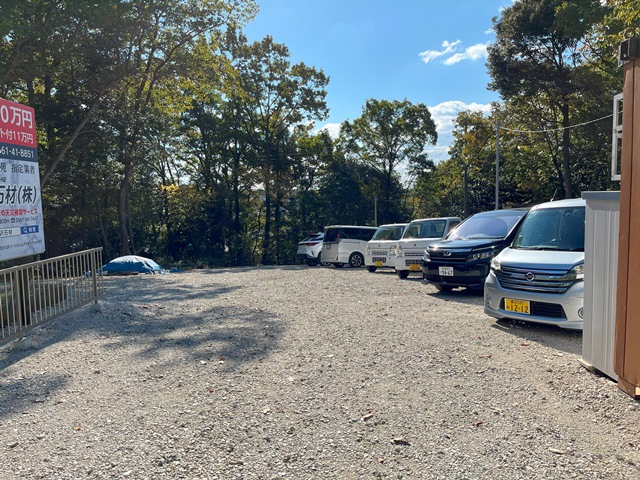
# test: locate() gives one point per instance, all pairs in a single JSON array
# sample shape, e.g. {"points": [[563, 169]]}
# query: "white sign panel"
{"points": [[21, 226]]}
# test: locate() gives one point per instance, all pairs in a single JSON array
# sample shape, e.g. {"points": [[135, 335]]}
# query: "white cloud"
{"points": [[474, 52], [448, 47], [332, 128], [443, 115]]}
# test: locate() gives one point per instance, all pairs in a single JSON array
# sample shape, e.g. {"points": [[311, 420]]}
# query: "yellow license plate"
{"points": [[414, 268], [518, 306], [377, 264]]}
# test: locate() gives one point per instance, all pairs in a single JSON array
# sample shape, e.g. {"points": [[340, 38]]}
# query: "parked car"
{"points": [[539, 278], [309, 249], [381, 249], [463, 258], [345, 244], [418, 234]]}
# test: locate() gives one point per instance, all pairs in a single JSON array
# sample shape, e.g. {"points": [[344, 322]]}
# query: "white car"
{"points": [[381, 249], [416, 237], [539, 278], [309, 249]]}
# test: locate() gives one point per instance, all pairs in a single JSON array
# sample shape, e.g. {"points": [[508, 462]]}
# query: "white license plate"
{"points": [[445, 271]]}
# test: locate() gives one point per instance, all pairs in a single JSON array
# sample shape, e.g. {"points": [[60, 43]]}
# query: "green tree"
{"points": [[274, 96], [387, 135], [537, 54]]}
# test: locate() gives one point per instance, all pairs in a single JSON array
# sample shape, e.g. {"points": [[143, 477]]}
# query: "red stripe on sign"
{"points": [[17, 124]]}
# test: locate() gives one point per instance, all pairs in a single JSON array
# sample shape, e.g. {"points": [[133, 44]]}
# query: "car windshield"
{"points": [[552, 229], [425, 229], [388, 233], [495, 224]]}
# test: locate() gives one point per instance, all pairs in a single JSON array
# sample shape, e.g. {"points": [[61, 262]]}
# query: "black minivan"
{"points": [[462, 259]]}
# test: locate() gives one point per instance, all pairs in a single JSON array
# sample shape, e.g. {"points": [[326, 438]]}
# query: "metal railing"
{"points": [[37, 292]]}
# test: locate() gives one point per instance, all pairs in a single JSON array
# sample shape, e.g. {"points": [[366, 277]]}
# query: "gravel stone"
{"points": [[305, 372]]}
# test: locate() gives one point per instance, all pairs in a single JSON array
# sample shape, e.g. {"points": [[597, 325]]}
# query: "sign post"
{"points": [[21, 222]]}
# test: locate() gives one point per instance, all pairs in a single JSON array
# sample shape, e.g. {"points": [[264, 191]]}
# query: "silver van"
{"points": [[539, 278], [381, 249], [345, 244]]}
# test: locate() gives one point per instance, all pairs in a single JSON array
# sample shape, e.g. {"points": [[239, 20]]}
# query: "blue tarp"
{"points": [[130, 264]]}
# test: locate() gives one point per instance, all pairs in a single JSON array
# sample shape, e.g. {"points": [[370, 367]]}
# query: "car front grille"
{"points": [[454, 256], [379, 253], [412, 262], [379, 259], [534, 280]]}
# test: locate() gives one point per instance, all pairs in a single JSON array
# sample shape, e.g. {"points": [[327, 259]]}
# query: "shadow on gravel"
{"points": [[218, 271], [135, 323], [464, 295], [568, 341], [24, 390]]}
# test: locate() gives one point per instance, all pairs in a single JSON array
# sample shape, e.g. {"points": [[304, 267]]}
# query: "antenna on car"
{"points": [[554, 195]]}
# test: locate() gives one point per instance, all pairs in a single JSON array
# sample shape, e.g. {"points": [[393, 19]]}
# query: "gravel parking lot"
{"points": [[298, 372]]}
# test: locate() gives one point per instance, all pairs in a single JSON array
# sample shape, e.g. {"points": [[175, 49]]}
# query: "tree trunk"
{"points": [[123, 200], [266, 239]]}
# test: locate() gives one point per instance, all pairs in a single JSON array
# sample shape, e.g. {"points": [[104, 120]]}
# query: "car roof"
{"points": [[349, 226], [435, 218], [497, 213], [570, 202], [394, 225]]}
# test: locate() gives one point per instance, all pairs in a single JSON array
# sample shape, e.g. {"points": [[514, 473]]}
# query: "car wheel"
{"points": [[356, 260], [371, 268], [402, 273], [443, 288], [312, 263]]}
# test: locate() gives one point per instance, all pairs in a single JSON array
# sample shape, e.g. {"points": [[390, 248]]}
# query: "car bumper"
{"points": [[563, 310], [464, 275], [379, 261]]}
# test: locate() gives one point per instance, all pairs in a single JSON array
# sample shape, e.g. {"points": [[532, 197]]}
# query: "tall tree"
{"points": [[388, 134], [537, 54], [274, 96]]}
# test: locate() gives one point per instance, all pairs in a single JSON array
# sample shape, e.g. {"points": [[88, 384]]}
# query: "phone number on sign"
{"points": [[17, 152]]}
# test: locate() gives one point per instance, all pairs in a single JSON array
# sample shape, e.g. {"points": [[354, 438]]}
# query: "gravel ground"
{"points": [[298, 372]]}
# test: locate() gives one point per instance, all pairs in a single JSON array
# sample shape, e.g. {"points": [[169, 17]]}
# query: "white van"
{"points": [[539, 278], [381, 249], [416, 237], [345, 244]]}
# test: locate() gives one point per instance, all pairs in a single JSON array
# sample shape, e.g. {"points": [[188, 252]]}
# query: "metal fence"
{"points": [[37, 292]]}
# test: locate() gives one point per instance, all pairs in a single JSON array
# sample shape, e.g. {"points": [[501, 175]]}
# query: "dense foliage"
{"points": [[163, 132]]}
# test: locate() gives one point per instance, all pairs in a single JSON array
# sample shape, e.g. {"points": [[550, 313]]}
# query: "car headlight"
{"points": [[426, 256], [577, 272], [480, 255], [495, 264], [367, 250], [398, 250]]}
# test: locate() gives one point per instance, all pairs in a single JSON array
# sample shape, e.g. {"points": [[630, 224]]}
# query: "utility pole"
{"points": [[497, 164], [375, 211]]}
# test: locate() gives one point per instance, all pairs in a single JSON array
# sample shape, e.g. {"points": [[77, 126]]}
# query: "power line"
{"points": [[554, 129]]}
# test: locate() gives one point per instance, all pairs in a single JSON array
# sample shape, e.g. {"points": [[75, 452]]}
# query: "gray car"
{"points": [[539, 278]]}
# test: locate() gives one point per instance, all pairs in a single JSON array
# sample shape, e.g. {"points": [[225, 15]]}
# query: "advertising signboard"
{"points": [[21, 225]]}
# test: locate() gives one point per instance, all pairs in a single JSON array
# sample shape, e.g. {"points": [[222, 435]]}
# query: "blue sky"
{"points": [[428, 51]]}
